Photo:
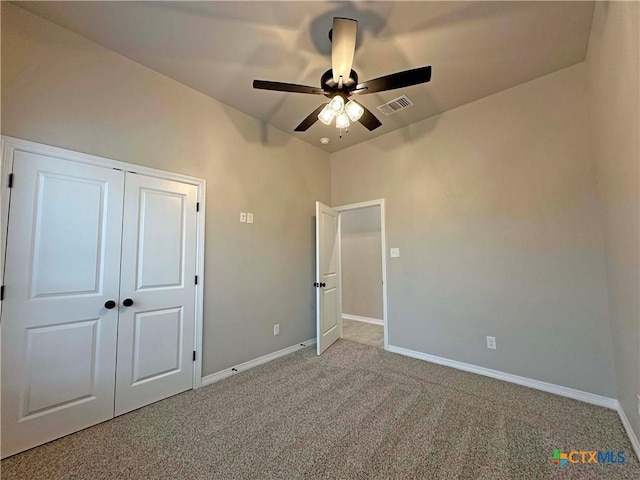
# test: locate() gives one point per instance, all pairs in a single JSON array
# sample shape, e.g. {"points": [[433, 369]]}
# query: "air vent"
{"points": [[395, 105]]}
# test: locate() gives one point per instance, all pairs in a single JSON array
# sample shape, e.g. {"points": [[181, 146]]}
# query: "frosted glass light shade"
{"points": [[326, 115], [337, 104], [354, 110], [342, 120]]}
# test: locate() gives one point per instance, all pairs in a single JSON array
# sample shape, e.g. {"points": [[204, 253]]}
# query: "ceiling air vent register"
{"points": [[395, 105]]}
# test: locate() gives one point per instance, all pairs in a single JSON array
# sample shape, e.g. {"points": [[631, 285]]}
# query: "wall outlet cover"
{"points": [[243, 217], [491, 343], [276, 329], [395, 252]]}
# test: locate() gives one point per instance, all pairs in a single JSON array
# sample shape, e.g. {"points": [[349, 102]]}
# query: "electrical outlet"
{"points": [[276, 329], [249, 217], [395, 252], [491, 343], [243, 217]]}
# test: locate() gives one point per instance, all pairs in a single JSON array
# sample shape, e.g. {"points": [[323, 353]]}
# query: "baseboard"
{"points": [[508, 377], [358, 318], [627, 426], [228, 372]]}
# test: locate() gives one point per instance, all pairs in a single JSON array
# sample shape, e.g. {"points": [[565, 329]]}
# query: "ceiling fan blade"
{"points": [[369, 120], [395, 80], [343, 46], [286, 87], [310, 120]]}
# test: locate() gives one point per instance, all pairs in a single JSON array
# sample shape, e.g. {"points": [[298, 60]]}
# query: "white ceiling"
{"points": [[219, 48]]}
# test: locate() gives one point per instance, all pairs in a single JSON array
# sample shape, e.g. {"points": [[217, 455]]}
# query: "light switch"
{"points": [[243, 217], [395, 252], [249, 217]]}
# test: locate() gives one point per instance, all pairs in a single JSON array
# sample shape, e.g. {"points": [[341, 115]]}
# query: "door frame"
{"points": [[357, 206], [11, 144]]}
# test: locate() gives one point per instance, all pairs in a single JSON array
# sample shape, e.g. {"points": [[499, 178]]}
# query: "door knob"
{"points": [[127, 302], [109, 304]]}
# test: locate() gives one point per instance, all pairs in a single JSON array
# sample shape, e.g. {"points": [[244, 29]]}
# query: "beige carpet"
{"points": [[356, 412], [362, 332]]}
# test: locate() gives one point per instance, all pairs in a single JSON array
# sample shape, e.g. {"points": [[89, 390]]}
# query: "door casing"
{"points": [[357, 206]]}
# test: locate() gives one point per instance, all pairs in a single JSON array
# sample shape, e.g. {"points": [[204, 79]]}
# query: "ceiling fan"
{"points": [[341, 82]]}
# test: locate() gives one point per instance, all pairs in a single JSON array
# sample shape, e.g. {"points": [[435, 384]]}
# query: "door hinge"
{"points": [[2, 292], [197, 206], [10, 182], [196, 279], [194, 355]]}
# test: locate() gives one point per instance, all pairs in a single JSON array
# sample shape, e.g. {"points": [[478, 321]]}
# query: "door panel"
{"points": [[52, 272], [48, 346], [328, 302], [160, 264], [62, 265], [155, 336], [157, 344]]}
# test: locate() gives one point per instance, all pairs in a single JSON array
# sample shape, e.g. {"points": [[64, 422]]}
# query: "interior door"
{"points": [[62, 267], [328, 303], [156, 331]]}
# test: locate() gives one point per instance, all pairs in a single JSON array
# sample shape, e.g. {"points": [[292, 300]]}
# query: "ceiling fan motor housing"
{"points": [[327, 82]]}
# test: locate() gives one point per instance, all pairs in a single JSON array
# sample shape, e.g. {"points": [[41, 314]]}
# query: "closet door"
{"points": [[156, 329], [62, 269]]}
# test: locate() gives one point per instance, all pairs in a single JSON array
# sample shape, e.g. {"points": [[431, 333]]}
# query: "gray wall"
{"points": [[613, 60], [495, 210], [361, 262], [494, 204], [62, 90]]}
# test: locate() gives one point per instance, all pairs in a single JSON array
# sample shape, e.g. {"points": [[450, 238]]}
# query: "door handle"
{"points": [[109, 304], [323, 285], [127, 302]]}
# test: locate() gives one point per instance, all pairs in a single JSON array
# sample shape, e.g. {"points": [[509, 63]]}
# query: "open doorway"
{"points": [[363, 269]]}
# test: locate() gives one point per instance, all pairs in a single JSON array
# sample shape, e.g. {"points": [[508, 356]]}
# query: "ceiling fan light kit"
{"points": [[354, 110], [339, 83], [326, 115], [337, 109]]}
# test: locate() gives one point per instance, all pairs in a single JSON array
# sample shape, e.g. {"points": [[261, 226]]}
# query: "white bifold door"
{"points": [[98, 316], [328, 301]]}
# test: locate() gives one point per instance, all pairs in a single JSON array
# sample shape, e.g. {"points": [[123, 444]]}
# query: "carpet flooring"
{"points": [[362, 332], [356, 412]]}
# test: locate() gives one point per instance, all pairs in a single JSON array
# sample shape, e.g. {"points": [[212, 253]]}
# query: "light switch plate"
{"points": [[395, 252], [243, 217], [276, 329], [249, 217]]}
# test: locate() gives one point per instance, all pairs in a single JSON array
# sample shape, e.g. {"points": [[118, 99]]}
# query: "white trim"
{"points": [[358, 318], [11, 144], [356, 206], [627, 426], [86, 158], [383, 235], [199, 311], [228, 372], [6, 168], [508, 377]]}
